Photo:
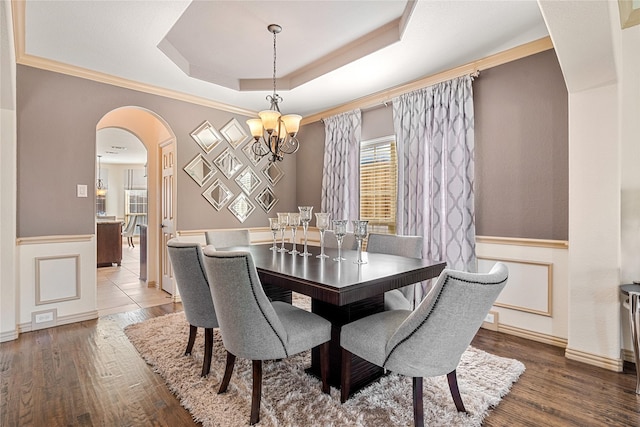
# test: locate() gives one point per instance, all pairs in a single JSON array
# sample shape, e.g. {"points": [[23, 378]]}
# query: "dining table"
{"points": [[340, 291]]}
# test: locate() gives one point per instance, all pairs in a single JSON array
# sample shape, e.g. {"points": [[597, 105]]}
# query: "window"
{"points": [[379, 184], [135, 205]]}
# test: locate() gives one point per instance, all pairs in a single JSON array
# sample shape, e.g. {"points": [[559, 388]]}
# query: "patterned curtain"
{"points": [[435, 143], [341, 171]]}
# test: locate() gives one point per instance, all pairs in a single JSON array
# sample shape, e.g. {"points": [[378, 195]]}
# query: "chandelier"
{"points": [[274, 133], [101, 190]]}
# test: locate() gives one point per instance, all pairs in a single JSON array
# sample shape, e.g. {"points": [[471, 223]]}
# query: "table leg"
{"points": [[362, 372], [634, 317]]}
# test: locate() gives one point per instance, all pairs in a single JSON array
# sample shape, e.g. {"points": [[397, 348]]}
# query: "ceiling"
{"points": [[328, 53]]}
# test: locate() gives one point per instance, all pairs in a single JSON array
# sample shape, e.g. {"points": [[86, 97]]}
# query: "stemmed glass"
{"points": [[283, 219], [359, 232], [322, 222], [274, 224], [305, 217], [340, 230], [294, 222]]}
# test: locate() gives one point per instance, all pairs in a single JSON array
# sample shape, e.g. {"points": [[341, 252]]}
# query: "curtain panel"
{"points": [[341, 167], [435, 143]]}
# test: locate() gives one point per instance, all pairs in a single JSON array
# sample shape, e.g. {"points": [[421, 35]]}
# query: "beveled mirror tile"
{"points": [[251, 155], [207, 136], [273, 173], [266, 199], [217, 194], [234, 133], [200, 169], [241, 207], [248, 180], [228, 163]]}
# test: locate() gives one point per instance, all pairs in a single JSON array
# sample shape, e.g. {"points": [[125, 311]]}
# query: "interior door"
{"points": [[168, 216]]}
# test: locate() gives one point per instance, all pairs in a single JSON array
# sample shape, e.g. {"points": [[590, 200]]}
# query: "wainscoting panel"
{"points": [[57, 273], [534, 304], [57, 279], [529, 288]]}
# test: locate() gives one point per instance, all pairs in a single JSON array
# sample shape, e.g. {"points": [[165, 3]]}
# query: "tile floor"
{"points": [[120, 289]]}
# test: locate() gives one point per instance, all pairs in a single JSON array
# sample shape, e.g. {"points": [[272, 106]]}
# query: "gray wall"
{"points": [[521, 152], [57, 117], [521, 136], [522, 146]]}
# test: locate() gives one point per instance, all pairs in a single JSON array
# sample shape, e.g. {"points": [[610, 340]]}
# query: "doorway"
{"points": [[150, 132]]}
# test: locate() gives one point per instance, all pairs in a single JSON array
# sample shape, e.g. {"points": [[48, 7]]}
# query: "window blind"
{"points": [[378, 184]]}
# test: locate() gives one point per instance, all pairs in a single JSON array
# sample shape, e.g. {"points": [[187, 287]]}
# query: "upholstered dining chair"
{"points": [[407, 246], [191, 278], [428, 341], [130, 229], [227, 238], [256, 329]]}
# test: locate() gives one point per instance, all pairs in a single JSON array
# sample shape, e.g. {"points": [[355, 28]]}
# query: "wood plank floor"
{"points": [[89, 374]]}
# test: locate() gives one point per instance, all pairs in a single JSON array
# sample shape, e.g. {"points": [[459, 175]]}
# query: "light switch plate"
{"points": [[82, 190]]}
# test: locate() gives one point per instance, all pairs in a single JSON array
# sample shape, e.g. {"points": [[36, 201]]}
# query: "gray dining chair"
{"points": [[130, 229], [348, 242], [227, 238], [191, 279], [256, 329], [407, 246], [428, 341]]}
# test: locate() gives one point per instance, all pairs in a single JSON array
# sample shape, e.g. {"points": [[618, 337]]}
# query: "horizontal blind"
{"points": [[378, 184]]}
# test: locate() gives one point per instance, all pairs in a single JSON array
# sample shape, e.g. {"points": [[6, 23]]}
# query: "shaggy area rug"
{"points": [[290, 397]]}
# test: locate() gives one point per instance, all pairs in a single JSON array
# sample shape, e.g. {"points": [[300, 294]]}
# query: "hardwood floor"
{"points": [[88, 373]]}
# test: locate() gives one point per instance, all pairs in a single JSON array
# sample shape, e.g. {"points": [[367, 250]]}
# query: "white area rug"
{"points": [[290, 397]]}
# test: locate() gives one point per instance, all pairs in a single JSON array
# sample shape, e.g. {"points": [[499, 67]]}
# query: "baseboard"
{"points": [[64, 320], [627, 355], [594, 359], [533, 336], [9, 335]]}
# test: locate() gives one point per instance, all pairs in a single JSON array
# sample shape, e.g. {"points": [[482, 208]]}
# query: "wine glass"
{"points": [[322, 222], [305, 217], [340, 230], [283, 220], [359, 232], [294, 222], [274, 224]]}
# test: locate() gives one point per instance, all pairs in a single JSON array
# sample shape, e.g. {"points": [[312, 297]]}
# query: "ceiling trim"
{"points": [[387, 95], [18, 8], [628, 15]]}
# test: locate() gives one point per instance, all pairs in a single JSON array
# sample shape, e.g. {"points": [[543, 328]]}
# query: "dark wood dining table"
{"points": [[341, 292]]}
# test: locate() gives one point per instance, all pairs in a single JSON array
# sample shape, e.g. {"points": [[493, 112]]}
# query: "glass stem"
{"points": [[304, 227], [321, 242]]}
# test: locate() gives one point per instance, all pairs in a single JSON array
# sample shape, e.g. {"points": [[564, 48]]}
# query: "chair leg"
{"points": [[345, 380], [256, 395], [418, 409], [324, 367], [208, 350], [455, 391], [193, 331], [228, 370]]}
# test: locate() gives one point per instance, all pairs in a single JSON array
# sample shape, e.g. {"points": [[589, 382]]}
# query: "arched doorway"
{"points": [[154, 132]]}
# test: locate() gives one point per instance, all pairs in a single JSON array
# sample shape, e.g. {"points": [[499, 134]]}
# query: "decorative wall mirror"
{"points": [[241, 207], [234, 133], [253, 157], [273, 173], [248, 180], [228, 163], [207, 136], [266, 199], [217, 194], [200, 169]]}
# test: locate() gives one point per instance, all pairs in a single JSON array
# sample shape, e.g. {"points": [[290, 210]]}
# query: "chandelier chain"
{"points": [[274, 64]]}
